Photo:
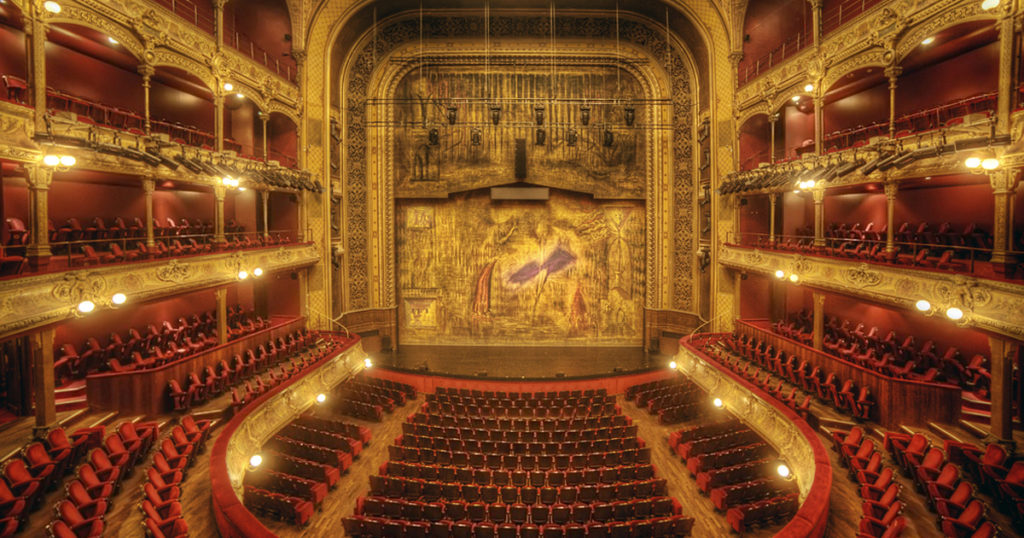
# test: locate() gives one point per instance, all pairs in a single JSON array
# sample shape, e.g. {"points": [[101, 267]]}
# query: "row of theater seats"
{"points": [[39, 467], [217, 380], [480, 464], [161, 503], [928, 257], [953, 496], [733, 465], [116, 228], [891, 355], [273, 488], [368, 398], [673, 400], [752, 357], [153, 347], [87, 497], [881, 507], [924, 233]]}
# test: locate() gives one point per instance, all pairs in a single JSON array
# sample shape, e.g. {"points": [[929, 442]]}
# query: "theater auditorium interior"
{"points": [[511, 268]]}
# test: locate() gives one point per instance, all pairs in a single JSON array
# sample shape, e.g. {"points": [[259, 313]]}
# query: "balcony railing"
{"points": [[199, 13], [836, 13], [786, 50], [284, 66]]}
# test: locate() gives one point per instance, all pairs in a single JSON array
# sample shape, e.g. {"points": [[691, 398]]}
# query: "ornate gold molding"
{"points": [[283, 407], [32, 301], [991, 305]]}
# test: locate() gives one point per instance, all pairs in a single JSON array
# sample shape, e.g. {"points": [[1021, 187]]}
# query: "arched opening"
{"points": [[242, 126], [181, 106], [855, 109], [261, 29], [755, 142]]}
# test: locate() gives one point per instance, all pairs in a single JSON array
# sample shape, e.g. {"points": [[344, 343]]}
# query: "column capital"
{"points": [[891, 188], [819, 195], [219, 4], [819, 299], [299, 56], [892, 73], [772, 197], [219, 192], [1003, 181], [146, 70], [220, 293], [39, 177], [148, 185]]}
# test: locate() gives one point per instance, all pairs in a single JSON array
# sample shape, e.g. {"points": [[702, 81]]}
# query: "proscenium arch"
{"points": [[367, 284], [330, 18]]}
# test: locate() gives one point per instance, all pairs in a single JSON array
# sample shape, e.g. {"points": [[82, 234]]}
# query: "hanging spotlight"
{"points": [[923, 305], [86, 306], [954, 313], [119, 298]]}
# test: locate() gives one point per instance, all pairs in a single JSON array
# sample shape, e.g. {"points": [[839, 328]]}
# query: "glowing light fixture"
{"points": [[809, 88], [985, 4], [257, 272], [119, 298], [990, 163], [928, 40], [228, 86], [717, 402], [672, 365], [86, 306], [923, 305], [321, 398], [51, 160], [954, 313], [783, 470], [113, 41], [796, 98], [780, 274], [243, 274], [255, 460], [972, 162], [367, 362], [794, 279], [239, 95], [54, 7], [67, 160]]}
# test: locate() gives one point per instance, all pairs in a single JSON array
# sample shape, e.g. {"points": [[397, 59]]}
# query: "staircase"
{"points": [[71, 396], [976, 412]]}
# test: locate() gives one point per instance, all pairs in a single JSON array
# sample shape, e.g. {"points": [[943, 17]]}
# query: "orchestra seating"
{"points": [[881, 505], [369, 398], [152, 347], [506, 464], [302, 461], [892, 355], [672, 400]]}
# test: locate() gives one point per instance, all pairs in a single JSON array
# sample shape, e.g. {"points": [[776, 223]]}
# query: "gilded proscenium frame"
{"points": [[667, 225], [990, 305], [763, 417], [283, 407], [32, 301]]}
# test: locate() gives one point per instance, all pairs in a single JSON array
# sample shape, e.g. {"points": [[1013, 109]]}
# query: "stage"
{"points": [[520, 363]]}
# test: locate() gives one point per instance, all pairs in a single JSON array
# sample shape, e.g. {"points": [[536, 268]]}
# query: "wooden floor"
{"points": [[520, 362]]}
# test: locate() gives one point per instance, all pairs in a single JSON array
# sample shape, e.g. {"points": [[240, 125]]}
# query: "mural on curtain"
{"points": [[569, 271]]}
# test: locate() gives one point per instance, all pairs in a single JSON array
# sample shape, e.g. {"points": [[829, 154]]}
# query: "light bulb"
{"points": [[239, 95], [257, 271], [255, 460], [367, 362], [86, 306], [928, 40], [672, 365], [54, 7], [242, 189], [972, 162], [923, 305], [780, 274], [796, 98], [954, 313], [990, 163], [67, 160], [243, 274], [228, 86], [783, 470], [119, 298], [112, 41], [793, 278], [717, 402], [809, 88], [51, 160], [985, 4], [321, 398]]}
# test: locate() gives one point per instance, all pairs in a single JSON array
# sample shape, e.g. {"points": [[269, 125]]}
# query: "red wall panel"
{"points": [[284, 213], [798, 212], [972, 73], [755, 215], [84, 76], [958, 205], [755, 297], [87, 200], [860, 109], [854, 208], [12, 61]]}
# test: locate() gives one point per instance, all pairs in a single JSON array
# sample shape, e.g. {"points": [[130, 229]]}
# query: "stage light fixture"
{"points": [[86, 306], [119, 298], [52, 7], [923, 305], [954, 313]]}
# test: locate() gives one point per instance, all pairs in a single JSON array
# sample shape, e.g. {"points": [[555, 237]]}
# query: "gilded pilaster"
{"points": [[773, 200], [816, 6], [892, 73], [265, 120], [218, 23], [819, 320], [222, 314], [219, 192], [819, 120], [35, 48], [218, 110], [41, 344], [265, 198], [148, 186], [772, 120], [1007, 87], [147, 71], [39, 180], [891, 188], [1004, 183], [1001, 368], [819, 218]]}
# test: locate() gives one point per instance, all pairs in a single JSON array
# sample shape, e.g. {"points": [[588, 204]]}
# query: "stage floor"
{"points": [[520, 362]]}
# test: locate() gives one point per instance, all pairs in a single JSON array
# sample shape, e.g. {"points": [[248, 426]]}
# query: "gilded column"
{"points": [[892, 73], [300, 63], [222, 314], [819, 218], [819, 320], [218, 121], [35, 48], [265, 120], [41, 343], [148, 186], [219, 192], [1004, 183], [1006, 88], [819, 120], [816, 29], [1001, 369], [265, 196], [773, 199], [891, 188], [218, 22], [772, 120], [38, 249], [146, 71]]}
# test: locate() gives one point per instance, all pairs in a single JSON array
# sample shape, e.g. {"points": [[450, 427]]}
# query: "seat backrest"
{"points": [[972, 514], [77, 493]]}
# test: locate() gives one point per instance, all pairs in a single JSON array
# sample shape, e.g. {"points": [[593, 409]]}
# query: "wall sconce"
{"points": [[257, 272], [672, 365], [60, 163], [255, 461], [540, 136], [630, 115], [496, 114], [321, 398], [433, 137], [570, 138], [718, 403], [86, 306], [609, 138], [367, 362], [923, 305], [784, 471], [585, 114], [538, 115], [51, 6], [453, 115]]}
